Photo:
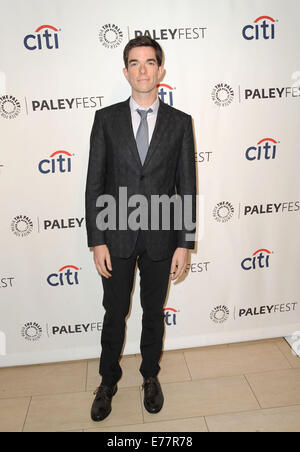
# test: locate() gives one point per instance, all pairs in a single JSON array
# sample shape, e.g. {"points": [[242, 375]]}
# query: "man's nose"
{"points": [[142, 68]]}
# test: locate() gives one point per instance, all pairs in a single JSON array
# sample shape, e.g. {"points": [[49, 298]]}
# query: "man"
{"points": [[146, 147]]}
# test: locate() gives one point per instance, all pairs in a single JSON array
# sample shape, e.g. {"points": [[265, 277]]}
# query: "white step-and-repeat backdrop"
{"points": [[234, 66]]}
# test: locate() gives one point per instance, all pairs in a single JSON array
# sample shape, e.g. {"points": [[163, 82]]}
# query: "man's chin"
{"points": [[146, 90]]}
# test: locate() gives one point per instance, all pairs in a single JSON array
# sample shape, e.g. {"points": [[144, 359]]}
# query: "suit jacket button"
{"points": [[142, 177]]}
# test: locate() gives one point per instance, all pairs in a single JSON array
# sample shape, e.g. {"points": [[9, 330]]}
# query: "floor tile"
{"points": [[43, 379], [173, 367], [13, 413], [274, 340], [275, 389], [67, 412], [130, 368], [204, 397], [179, 425], [236, 360], [286, 419]]}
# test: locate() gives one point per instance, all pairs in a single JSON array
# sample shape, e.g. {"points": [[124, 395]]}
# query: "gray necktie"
{"points": [[142, 136]]}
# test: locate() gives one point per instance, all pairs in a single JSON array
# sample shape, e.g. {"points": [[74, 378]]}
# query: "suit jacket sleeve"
{"points": [[95, 184], [186, 185]]}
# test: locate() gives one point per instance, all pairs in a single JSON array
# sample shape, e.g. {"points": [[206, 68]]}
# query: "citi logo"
{"points": [[265, 149], [165, 93], [171, 316], [46, 37], [263, 28], [66, 276], [58, 162], [259, 259]]}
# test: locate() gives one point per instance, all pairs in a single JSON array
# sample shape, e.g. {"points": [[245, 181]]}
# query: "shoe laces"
{"points": [[103, 392], [150, 386]]}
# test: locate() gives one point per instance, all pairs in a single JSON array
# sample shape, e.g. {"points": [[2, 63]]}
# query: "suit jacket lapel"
{"points": [[160, 126], [125, 129]]}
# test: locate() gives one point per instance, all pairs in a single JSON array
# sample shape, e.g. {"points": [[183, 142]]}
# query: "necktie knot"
{"points": [[144, 113]]}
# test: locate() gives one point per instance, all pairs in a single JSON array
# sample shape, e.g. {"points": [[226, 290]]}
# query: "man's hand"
{"points": [[102, 260], [180, 260]]}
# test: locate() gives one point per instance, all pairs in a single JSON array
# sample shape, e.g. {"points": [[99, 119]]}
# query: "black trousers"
{"points": [[154, 282]]}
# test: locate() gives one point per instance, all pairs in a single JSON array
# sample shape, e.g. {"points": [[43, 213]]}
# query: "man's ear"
{"points": [[125, 72], [161, 73]]}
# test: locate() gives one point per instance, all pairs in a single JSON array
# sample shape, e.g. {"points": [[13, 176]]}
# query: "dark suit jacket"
{"points": [[114, 162]]}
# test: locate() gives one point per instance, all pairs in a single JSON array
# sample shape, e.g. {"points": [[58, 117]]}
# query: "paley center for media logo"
{"points": [[111, 36], [44, 37], [223, 94], [22, 226], [220, 314], [10, 107], [224, 211], [262, 28], [33, 331]]}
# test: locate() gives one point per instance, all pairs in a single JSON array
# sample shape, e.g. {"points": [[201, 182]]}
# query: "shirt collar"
{"points": [[135, 106]]}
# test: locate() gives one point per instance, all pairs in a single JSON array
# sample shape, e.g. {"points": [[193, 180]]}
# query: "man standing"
{"points": [[146, 147]]}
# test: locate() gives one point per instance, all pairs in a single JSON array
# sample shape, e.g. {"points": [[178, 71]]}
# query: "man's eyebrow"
{"points": [[136, 61]]}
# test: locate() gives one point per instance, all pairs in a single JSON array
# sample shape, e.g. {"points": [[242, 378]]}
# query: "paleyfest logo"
{"points": [[223, 212], [222, 95], [32, 332], [10, 107], [22, 226], [220, 314], [111, 36]]}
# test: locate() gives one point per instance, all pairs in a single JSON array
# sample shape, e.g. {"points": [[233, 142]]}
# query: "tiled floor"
{"points": [[252, 386]]}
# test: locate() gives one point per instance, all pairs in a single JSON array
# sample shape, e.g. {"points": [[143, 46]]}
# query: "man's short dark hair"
{"points": [[143, 41]]}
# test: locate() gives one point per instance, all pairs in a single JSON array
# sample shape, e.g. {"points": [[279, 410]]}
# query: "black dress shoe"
{"points": [[102, 404], [153, 396]]}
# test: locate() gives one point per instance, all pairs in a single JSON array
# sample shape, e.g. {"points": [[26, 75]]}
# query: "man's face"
{"points": [[143, 73]]}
